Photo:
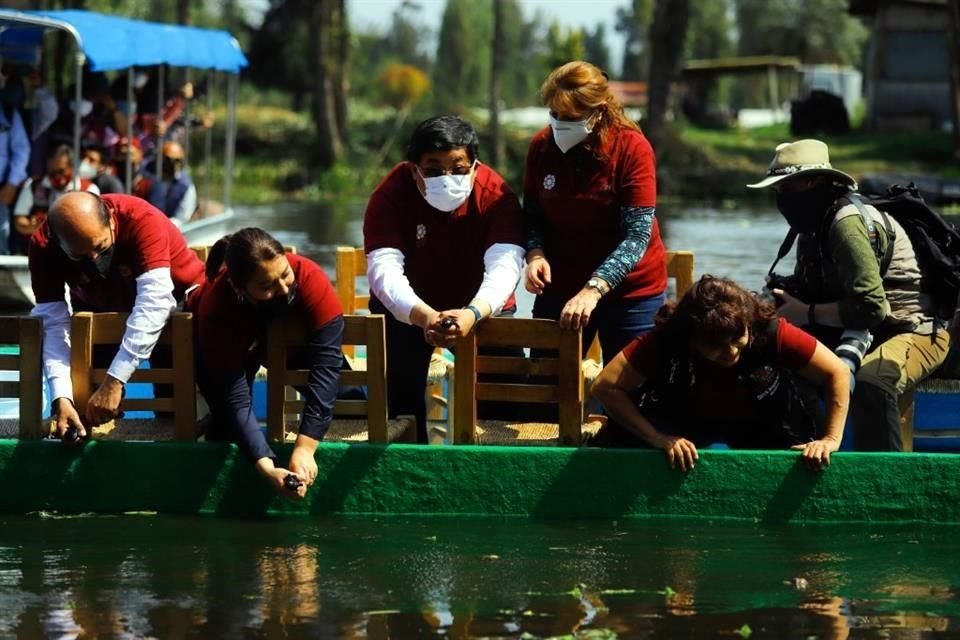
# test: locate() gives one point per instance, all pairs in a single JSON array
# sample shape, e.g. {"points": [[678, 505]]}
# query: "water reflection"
{"points": [[399, 578]]}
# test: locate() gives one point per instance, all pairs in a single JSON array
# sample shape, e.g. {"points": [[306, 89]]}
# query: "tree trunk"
{"points": [[342, 77], [954, 8], [498, 150], [329, 146], [183, 11], [667, 35]]}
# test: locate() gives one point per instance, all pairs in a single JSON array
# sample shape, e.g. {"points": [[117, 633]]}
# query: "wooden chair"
{"points": [[351, 264], [563, 383], [365, 416], [27, 334], [680, 268], [88, 330]]}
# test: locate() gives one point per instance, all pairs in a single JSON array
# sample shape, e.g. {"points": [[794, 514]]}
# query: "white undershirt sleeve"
{"points": [[502, 265], [56, 347], [187, 205], [151, 310], [389, 283]]}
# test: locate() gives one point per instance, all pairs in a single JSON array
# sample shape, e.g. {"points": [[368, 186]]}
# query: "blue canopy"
{"points": [[112, 42]]}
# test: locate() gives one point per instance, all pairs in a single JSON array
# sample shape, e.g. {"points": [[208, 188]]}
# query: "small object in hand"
{"points": [[292, 482], [448, 323], [71, 435]]}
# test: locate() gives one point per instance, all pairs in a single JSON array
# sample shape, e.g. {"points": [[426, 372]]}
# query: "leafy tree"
{"points": [[563, 45], [597, 51], [634, 23], [462, 69]]}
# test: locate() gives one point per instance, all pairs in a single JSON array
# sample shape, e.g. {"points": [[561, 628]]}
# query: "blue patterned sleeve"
{"points": [[534, 221], [637, 224]]}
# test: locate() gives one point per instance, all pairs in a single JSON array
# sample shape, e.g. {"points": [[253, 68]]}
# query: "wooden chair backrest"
{"points": [[88, 330], [283, 336], [563, 376], [351, 263], [27, 334]]}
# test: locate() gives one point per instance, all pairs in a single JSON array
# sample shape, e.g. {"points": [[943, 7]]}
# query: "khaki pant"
{"points": [[887, 375]]}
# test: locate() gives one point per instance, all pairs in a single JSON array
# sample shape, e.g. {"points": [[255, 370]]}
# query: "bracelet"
{"points": [[810, 314], [477, 316]]}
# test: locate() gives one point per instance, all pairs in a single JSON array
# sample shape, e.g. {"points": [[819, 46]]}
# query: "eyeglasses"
{"points": [[435, 172]]}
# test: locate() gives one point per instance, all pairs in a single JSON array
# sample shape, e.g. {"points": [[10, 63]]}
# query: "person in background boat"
{"points": [[251, 282], [95, 166], [595, 260], [102, 121], [115, 253], [139, 184], [840, 292], [41, 111], [14, 158], [721, 367], [173, 192], [148, 127], [443, 235], [38, 194]]}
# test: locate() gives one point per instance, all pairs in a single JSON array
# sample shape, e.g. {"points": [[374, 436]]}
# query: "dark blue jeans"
{"points": [[617, 320]]}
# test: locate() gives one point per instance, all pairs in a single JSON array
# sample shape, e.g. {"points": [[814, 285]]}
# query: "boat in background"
{"points": [[113, 43]]}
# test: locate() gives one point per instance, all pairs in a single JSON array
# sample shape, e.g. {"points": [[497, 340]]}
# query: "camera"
{"points": [[71, 435], [448, 323], [292, 482]]}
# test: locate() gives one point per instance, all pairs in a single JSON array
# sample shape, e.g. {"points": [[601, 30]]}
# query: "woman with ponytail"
{"points": [[252, 281], [720, 367]]}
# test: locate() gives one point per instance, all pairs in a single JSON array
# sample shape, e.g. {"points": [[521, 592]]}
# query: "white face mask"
{"points": [[447, 192], [569, 134], [140, 80], [87, 170]]}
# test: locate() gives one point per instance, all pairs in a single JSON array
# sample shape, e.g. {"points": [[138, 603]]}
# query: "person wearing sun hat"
{"points": [[856, 270]]}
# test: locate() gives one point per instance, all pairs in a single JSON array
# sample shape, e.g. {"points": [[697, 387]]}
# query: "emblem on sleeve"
{"points": [[549, 181]]}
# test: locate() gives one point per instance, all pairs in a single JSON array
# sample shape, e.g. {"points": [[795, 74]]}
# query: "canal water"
{"points": [[739, 243], [147, 576]]}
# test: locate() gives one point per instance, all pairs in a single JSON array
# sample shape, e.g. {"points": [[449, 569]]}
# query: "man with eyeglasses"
{"points": [[114, 253], [443, 234]]}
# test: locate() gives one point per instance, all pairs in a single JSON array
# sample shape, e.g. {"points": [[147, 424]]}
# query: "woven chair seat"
{"points": [[344, 430], [436, 374], [939, 385], [538, 434], [135, 429], [10, 428]]}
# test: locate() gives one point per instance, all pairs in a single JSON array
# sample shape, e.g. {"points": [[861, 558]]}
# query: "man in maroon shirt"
{"points": [[113, 253]]}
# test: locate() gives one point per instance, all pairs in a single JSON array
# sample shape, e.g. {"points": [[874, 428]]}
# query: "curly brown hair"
{"points": [[716, 311]]}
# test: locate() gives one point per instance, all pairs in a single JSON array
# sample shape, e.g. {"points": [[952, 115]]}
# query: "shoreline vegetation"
{"points": [[275, 146]]}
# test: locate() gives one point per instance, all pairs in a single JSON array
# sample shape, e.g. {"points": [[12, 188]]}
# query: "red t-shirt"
{"points": [[228, 329], [582, 196], [720, 393], [443, 252], [144, 239]]}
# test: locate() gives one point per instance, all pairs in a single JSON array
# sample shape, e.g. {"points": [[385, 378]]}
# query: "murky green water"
{"points": [[139, 576]]}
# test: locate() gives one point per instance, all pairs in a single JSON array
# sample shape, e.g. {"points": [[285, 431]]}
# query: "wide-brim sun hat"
{"points": [[800, 157]]}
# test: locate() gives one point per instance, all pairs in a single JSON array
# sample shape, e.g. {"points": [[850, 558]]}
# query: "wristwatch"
{"points": [[597, 284]]}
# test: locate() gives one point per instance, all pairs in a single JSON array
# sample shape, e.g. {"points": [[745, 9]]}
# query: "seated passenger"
{"points": [[94, 166], [114, 253], [250, 282], [139, 185], [39, 194], [443, 236], [173, 192], [719, 366]]}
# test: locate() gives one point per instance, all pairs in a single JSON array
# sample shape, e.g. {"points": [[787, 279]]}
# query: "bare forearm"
{"points": [[623, 409]]}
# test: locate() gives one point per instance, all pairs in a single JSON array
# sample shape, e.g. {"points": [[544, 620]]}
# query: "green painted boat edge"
{"points": [[535, 482]]}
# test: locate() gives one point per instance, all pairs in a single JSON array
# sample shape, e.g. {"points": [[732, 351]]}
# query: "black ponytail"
{"points": [[242, 252], [218, 252]]}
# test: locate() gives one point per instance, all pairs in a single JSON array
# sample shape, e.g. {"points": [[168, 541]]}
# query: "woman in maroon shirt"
{"points": [[594, 256], [719, 367], [252, 281]]}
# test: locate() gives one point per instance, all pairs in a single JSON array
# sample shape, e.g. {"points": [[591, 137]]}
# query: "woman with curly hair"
{"points": [[595, 260], [720, 366]]}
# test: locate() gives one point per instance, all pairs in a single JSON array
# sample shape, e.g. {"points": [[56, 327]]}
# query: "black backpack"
{"points": [[935, 241]]}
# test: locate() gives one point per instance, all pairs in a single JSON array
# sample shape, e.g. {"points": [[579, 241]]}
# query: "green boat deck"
{"points": [[543, 483]]}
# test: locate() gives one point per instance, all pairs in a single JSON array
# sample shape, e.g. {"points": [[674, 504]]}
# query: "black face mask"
{"points": [[99, 266], [169, 168], [804, 210]]}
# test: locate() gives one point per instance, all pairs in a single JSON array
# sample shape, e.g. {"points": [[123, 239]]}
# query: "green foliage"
{"points": [[634, 22], [596, 49], [563, 45], [462, 69]]}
